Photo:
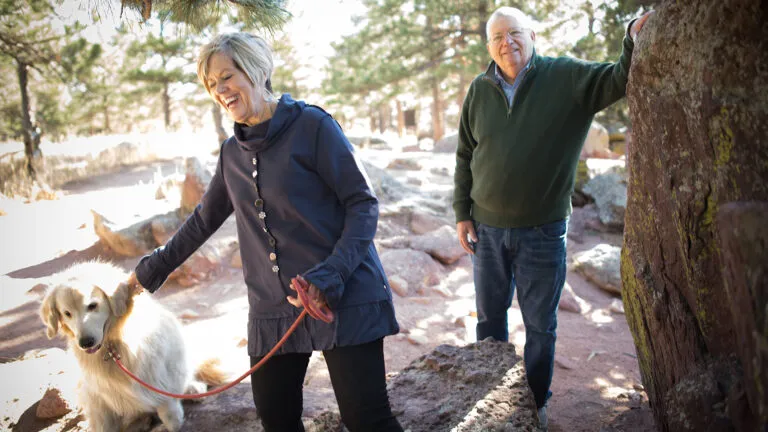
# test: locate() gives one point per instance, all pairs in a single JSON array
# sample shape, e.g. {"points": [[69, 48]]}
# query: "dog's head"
{"points": [[84, 301]]}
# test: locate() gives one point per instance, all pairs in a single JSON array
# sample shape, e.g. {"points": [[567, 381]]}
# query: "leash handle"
{"points": [[321, 312], [116, 358]]}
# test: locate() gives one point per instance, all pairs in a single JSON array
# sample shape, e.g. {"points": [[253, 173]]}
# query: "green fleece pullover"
{"points": [[516, 167]]}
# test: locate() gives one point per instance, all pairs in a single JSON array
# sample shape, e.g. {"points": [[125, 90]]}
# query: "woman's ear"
{"points": [[50, 314]]}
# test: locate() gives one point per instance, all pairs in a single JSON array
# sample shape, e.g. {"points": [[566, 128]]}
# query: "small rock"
{"points": [[418, 337], [569, 304], [617, 306], [414, 181], [564, 362], [440, 171], [461, 321], [404, 164], [399, 285], [443, 291], [237, 260], [594, 353], [422, 223], [38, 289], [52, 405], [420, 300], [638, 387], [189, 314]]}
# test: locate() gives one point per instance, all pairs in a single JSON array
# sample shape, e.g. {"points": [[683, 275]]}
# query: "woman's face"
{"points": [[232, 89]]}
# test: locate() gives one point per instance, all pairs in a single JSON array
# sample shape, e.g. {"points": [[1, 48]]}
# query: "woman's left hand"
{"points": [[317, 307]]}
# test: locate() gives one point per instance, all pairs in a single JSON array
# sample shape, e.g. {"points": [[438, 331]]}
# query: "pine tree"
{"points": [[86, 80], [156, 65], [406, 46], [29, 41], [201, 14]]}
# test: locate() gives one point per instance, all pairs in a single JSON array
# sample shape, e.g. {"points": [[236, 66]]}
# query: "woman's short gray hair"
{"points": [[250, 53]]}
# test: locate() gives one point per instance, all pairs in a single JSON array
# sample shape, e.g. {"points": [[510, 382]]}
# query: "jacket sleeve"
{"points": [[214, 208], [598, 85], [339, 167], [462, 178]]}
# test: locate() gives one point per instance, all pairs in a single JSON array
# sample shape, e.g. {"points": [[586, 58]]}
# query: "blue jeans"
{"points": [[533, 261]]}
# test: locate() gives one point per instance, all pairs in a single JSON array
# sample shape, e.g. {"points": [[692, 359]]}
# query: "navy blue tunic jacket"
{"points": [[303, 205]]}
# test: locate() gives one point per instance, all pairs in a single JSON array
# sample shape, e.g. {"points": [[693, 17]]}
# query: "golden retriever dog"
{"points": [[93, 308]]}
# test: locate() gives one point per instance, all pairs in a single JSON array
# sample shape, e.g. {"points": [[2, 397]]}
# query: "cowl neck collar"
{"points": [[253, 138]]}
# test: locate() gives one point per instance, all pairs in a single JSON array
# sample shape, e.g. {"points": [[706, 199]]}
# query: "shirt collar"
{"points": [[500, 77]]}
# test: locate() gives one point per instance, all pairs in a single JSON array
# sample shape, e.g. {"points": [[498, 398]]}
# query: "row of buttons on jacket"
{"points": [[263, 216]]}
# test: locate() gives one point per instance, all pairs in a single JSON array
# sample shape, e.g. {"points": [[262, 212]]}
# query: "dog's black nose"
{"points": [[87, 342]]}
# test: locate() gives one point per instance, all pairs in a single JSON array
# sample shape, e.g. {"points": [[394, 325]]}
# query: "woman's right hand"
{"points": [[134, 285], [312, 299]]}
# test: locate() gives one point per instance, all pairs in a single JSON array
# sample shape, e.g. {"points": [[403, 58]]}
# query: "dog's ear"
{"points": [[50, 314], [121, 299]]}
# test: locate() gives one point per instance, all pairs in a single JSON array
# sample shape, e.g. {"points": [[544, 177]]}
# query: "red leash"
{"points": [[302, 287]]}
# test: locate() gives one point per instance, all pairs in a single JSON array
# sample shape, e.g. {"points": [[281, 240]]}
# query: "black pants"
{"points": [[358, 379]]}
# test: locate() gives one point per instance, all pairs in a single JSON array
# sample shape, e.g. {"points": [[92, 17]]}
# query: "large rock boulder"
{"points": [[447, 144], [597, 143], [600, 265], [610, 194], [698, 98], [441, 244], [195, 183], [417, 268], [386, 187]]}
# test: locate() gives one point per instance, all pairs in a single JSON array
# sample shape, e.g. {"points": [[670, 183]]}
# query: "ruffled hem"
{"points": [[353, 326], [310, 335]]}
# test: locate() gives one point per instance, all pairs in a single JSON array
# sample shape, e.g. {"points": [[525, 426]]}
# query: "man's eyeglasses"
{"points": [[515, 34]]}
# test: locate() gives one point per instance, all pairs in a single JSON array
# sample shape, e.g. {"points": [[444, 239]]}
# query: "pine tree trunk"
{"points": [[400, 119], [107, 126], [31, 145], [382, 118], [482, 12], [462, 90], [372, 116], [166, 107], [437, 117], [218, 121], [694, 263]]}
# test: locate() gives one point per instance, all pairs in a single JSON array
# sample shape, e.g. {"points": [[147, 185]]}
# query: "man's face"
{"points": [[510, 45]]}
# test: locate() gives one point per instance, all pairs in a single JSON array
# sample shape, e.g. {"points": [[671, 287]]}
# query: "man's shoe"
{"points": [[543, 417]]}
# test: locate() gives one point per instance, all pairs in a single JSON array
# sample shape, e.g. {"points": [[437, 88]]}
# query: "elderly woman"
{"points": [[304, 207]]}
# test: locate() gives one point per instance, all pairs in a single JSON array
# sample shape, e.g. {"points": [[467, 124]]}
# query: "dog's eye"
{"points": [[67, 314], [92, 306]]}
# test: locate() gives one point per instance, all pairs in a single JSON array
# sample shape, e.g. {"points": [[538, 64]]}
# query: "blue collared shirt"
{"points": [[511, 89]]}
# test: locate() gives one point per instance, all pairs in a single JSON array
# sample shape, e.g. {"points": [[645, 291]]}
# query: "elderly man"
{"points": [[523, 125]]}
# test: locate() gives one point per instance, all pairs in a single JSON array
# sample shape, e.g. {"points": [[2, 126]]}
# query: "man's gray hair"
{"points": [[251, 54], [507, 11]]}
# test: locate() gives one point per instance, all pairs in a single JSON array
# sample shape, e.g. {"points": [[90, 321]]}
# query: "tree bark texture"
{"points": [[694, 259], [437, 110], [166, 106], [218, 121], [30, 147]]}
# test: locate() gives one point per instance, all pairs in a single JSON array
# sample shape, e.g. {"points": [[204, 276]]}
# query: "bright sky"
{"points": [[315, 23]]}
